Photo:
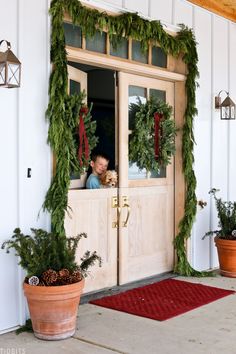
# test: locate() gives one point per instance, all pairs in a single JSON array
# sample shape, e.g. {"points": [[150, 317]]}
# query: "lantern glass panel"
{"points": [[225, 112], [13, 74], [233, 112], [2, 73]]}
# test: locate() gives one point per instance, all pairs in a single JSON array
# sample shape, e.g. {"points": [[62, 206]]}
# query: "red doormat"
{"points": [[163, 300]]}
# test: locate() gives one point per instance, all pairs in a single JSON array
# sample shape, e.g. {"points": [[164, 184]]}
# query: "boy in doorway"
{"points": [[99, 166]]}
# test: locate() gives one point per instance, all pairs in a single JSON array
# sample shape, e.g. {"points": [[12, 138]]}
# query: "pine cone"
{"points": [[49, 277], [76, 276], [63, 273], [63, 277], [65, 280]]}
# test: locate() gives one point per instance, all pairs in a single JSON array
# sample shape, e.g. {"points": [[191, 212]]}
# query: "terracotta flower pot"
{"points": [[53, 309], [227, 256]]}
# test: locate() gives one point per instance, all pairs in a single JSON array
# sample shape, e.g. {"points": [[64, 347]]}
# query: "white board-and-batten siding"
{"points": [[23, 137]]}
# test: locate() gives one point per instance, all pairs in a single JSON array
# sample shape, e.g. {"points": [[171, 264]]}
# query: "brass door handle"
{"points": [[125, 223], [115, 224]]}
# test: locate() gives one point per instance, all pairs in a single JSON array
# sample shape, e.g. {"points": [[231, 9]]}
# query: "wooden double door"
{"points": [[132, 226]]}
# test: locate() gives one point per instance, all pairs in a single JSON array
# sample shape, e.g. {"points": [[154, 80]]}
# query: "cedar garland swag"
{"points": [[59, 109]]}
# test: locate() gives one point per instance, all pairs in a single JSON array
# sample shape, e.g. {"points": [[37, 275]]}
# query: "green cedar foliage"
{"points": [[124, 25], [226, 212], [27, 327], [47, 250]]}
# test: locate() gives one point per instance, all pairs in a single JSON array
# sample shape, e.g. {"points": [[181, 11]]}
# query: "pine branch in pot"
{"points": [[54, 281], [225, 236]]}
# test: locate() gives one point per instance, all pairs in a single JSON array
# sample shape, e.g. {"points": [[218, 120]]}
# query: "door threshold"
{"points": [[94, 295]]}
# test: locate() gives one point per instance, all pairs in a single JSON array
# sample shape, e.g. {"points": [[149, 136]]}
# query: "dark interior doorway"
{"points": [[101, 94]]}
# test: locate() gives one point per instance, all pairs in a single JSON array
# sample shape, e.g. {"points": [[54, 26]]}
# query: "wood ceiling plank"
{"points": [[225, 8]]}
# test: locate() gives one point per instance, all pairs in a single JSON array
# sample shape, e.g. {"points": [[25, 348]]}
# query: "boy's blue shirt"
{"points": [[93, 182]]}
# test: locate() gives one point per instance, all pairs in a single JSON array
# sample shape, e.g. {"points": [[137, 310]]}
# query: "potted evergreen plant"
{"points": [[54, 281], [225, 236]]}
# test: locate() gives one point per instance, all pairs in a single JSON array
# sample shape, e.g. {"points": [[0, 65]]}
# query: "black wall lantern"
{"points": [[10, 68], [227, 107]]}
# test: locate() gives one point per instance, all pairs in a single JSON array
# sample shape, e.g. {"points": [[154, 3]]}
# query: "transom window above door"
{"points": [[126, 49]]}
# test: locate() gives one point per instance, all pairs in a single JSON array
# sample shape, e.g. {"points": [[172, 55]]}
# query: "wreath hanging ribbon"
{"points": [[83, 140], [157, 118]]}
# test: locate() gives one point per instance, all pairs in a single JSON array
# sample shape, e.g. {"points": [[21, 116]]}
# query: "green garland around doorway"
{"points": [[125, 25]]}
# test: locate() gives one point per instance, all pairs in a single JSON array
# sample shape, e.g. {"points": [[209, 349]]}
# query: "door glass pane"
{"points": [[159, 58], [97, 43], [121, 50], [135, 94], [138, 54], [159, 174], [158, 94], [73, 35], [74, 87]]}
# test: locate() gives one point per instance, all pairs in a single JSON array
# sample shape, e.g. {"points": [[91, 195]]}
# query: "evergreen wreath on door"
{"points": [[152, 141]]}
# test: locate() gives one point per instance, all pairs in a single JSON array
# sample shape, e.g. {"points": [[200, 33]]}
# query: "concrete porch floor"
{"points": [[209, 329]]}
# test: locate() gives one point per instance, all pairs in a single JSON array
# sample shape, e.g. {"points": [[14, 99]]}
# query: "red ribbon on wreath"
{"points": [[83, 140], [157, 119]]}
